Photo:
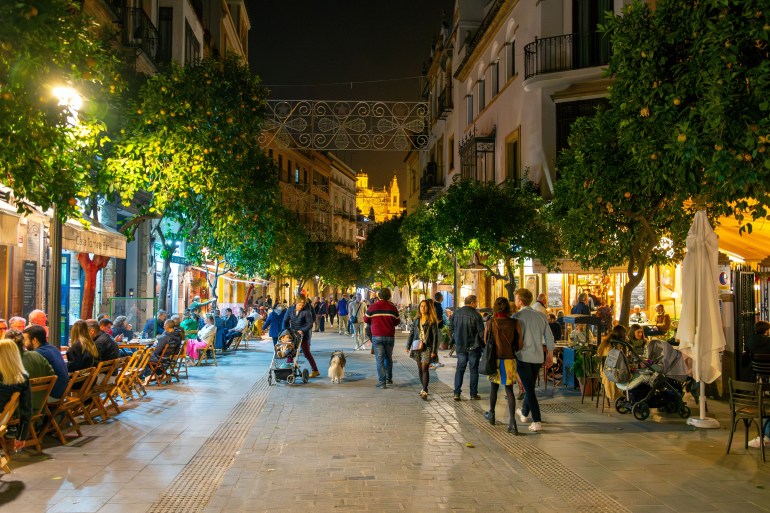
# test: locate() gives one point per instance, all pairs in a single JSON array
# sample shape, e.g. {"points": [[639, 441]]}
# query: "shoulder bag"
{"points": [[488, 360]]}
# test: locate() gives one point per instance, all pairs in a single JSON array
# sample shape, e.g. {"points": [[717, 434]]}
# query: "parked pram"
{"points": [[285, 365], [656, 380]]}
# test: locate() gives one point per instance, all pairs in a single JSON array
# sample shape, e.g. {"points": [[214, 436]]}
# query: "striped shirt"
{"points": [[383, 318]]}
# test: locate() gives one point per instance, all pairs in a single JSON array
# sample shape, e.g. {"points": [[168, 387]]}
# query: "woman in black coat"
{"points": [[422, 344], [82, 353]]}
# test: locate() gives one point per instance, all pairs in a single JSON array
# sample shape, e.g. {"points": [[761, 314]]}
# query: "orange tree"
{"points": [[687, 125], [189, 142], [45, 157]]}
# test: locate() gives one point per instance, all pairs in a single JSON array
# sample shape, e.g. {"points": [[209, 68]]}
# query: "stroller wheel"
{"points": [[290, 379], [641, 411], [621, 405], [684, 411], [305, 376]]}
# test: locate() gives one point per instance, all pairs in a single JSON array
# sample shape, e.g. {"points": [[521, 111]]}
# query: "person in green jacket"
{"points": [[34, 364], [189, 325]]}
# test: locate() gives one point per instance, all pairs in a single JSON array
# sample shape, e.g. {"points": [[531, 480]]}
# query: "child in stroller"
{"points": [[285, 365], [656, 380]]}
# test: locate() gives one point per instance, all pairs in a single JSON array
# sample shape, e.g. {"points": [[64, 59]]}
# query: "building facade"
{"points": [[378, 204]]}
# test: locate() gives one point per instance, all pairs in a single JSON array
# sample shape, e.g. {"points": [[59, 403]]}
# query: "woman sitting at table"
{"points": [[121, 326], [637, 339], [617, 335], [14, 379], [82, 352]]}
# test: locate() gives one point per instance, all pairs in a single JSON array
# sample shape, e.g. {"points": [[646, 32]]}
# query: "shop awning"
{"points": [[754, 246], [9, 224], [99, 239], [571, 267]]}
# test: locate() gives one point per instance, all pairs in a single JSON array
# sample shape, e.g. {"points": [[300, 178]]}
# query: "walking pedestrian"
{"points": [[422, 343], [437, 299], [535, 334], [300, 318], [342, 313], [467, 330], [332, 311], [322, 309], [504, 332], [357, 312], [382, 317]]}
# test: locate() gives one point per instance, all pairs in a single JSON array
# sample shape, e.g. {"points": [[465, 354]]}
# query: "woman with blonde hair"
{"points": [[422, 344], [618, 334], [82, 353], [13, 379]]}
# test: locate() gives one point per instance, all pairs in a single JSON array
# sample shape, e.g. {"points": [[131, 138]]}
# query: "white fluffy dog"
{"points": [[337, 366]]}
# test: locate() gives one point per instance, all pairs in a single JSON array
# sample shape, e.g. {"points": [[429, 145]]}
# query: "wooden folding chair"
{"points": [[111, 386], [178, 364], [5, 417], [203, 354], [122, 377], [104, 380], [156, 367], [40, 389], [136, 379], [69, 405]]}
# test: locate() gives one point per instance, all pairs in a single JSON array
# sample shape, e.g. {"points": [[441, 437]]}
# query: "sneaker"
{"points": [[535, 427], [438, 364], [314, 374], [755, 443], [476, 397], [522, 418], [457, 397], [389, 382], [380, 384]]}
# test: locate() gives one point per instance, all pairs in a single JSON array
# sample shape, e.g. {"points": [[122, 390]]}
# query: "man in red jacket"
{"points": [[383, 318]]}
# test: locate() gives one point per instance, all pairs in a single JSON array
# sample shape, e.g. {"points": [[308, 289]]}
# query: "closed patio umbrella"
{"points": [[700, 325], [396, 296]]}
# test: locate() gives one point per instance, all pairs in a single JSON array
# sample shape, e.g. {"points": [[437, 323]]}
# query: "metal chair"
{"points": [[590, 372], [747, 404], [760, 366]]}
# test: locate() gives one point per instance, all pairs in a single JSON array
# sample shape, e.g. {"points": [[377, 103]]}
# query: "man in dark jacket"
{"points": [[154, 327], [383, 318], [105, 344], [230, 319], [170, 340], [322, 309], [467, 331], [300, 318]]}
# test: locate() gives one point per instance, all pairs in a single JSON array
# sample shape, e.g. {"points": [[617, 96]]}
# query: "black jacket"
{"points": [[432, 336], [107, 347], [24, 409], [78, 359], [467, 328], [172, 339]]}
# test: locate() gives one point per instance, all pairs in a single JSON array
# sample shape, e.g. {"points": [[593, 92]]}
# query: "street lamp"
{"points": [[70, 99]]}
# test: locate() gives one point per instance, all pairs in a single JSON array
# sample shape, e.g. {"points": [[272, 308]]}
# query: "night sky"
{"points": [[297, 45]]}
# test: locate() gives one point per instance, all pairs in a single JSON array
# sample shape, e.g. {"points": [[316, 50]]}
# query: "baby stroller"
{"points": [[285, 365], [657, 381]]}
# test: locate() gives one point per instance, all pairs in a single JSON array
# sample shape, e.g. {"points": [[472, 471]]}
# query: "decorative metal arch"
{"points": [[346, 125]]}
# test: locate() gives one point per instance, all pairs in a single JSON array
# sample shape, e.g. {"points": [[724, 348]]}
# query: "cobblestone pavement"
{"points": [[225, 441]]}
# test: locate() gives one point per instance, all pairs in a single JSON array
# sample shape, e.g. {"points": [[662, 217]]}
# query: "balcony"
{"points": [[431, 182], [444, 106], [139, 32], [565, 53]]}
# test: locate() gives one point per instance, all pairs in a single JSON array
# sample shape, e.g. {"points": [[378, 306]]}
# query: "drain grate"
{"points": [[557, 408], [576, 491], [193, 488]]}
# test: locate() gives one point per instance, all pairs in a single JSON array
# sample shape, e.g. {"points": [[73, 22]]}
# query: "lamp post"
{"points": [[71, 100]]}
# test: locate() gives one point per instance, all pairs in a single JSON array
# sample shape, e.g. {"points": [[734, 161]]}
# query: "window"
{"points": [[165, 33], [495, 78], [296, 174], [511, 58], [270, 153], [280, 163], [513, 156], [304, 175], [288, 171], [451, 153], [469, 109], [477, 157], [192, 47], [481, 85]]}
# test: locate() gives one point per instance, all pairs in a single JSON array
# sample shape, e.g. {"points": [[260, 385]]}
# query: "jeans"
{"points": [[342, 324], [321, 320], [360, 330], [528, 372], [383, 354], [463, 359]]}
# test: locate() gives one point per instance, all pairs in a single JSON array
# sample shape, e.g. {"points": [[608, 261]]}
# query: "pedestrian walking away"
{"points": [[300, 318], [422, 343], [504, 332], [342, 315], [357, 312], [382, 317], [467, 329], [437, 299], [535, 334]]}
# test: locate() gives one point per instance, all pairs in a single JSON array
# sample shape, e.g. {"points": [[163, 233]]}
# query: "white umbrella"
{"points": [[700, 326], [396, 297]]}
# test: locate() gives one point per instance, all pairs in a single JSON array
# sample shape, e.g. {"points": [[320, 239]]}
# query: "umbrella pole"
{"points": [[702, 421]]}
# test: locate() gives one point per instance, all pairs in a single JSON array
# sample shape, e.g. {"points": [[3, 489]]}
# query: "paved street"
{"points": [[224, 441]]}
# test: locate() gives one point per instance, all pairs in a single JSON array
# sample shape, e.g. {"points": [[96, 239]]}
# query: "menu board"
{"points": [[29, 286], [638, 296]]}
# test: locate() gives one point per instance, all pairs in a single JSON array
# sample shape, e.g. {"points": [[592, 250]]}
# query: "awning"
{"points": [[572, 267], [99, 239], [754, 246], [9, 224]]}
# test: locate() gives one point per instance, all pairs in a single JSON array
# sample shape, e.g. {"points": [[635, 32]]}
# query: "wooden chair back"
{"points": [[5, 417], [41, 389]]}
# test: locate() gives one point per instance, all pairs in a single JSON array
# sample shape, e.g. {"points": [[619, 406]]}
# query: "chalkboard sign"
{"points": [[29, 286], [639, 296]]}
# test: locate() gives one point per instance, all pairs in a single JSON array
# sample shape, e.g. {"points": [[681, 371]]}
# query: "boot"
{"points": [[512, 427], [490, 416]]}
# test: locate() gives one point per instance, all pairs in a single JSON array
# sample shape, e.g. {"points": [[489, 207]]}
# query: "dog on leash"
{"points": [[337, 366]]}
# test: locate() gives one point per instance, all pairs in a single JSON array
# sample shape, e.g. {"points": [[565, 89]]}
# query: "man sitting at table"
{"points": [[637, 317], [105, 344], [238, 330], [662, 321], [581, 308], [35, 338], [170, 340]]}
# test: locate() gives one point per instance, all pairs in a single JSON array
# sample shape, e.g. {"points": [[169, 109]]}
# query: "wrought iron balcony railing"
{"points": [[139, 32], [565, 52], [431, 181], [445, 106]]}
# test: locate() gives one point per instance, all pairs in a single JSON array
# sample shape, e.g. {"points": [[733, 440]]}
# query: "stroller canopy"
{"points": [[669, 359]]}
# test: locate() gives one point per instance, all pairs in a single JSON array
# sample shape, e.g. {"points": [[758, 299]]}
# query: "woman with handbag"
{"points": [[422, 343], [503, 337]]}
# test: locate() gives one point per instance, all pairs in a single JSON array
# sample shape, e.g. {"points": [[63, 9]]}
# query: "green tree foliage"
{"points": [[508, 224], [45, 157], [427, 256], [687, 127], [384, 256]]}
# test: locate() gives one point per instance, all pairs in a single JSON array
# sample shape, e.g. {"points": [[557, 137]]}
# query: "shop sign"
{"points": [[96, 241]]}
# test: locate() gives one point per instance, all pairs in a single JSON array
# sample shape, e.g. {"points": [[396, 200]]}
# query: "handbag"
{"points": [[488, 360]]}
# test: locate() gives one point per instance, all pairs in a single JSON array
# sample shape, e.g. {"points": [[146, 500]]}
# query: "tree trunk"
{"points": [[510, 287], [164, 275], [90, 266], [248, 295], [628, 288]]}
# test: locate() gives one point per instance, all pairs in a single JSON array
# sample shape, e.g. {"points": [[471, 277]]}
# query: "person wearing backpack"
{"points": [[505, 333], [618, 334], [535, 334]]}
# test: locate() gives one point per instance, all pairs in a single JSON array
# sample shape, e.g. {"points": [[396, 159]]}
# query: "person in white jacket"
{"points": [[206, 335], [536, 334]]}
